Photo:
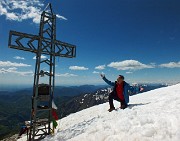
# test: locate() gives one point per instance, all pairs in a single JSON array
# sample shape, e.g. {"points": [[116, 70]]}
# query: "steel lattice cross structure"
{"points": [[44, 43]]}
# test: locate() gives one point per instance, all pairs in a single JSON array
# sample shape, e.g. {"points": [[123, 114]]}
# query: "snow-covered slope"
{"points": [[151, 116]]}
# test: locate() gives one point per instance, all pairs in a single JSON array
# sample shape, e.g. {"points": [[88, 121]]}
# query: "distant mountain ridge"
{"points": [[76, 90], [59, 90]]}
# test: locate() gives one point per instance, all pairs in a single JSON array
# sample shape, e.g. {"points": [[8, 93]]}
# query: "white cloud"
{"points": [[96, 72], [19, 10], [3, 70], [78, 68], [129, 72], [170, 65], [66, 75], [42, 57], [61, 17], [129, 65], [14, 70], [100, 67], [12, 64], [19, 58]]}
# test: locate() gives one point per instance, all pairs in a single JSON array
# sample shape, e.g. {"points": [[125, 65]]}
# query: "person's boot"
{"points": [[123, 106], [111, 109]]}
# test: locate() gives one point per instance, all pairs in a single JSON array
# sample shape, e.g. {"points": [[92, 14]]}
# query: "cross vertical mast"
{"points": [[46, 44]]}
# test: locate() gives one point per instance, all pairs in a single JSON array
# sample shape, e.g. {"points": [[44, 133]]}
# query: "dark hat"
{"points": [[121, 76]]}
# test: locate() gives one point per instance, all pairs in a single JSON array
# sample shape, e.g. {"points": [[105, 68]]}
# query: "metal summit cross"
{"points": [[45, 43]]}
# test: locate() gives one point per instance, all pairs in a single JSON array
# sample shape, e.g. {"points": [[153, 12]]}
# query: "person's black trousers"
{"points": [[114, 96]]}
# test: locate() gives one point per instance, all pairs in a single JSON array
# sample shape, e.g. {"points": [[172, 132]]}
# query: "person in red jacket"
{"points": [[120, 92]]}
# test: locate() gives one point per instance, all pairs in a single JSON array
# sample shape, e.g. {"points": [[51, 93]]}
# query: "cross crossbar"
{"points": [[62, 49]]}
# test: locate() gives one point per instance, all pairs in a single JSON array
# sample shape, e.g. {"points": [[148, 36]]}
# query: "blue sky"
{"points": [[136, 38]]}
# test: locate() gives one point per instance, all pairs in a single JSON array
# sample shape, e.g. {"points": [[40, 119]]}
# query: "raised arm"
{"points": [[107, 81]]}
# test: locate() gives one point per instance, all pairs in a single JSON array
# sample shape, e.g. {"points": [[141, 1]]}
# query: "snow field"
{"points": [[151, 116]]}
